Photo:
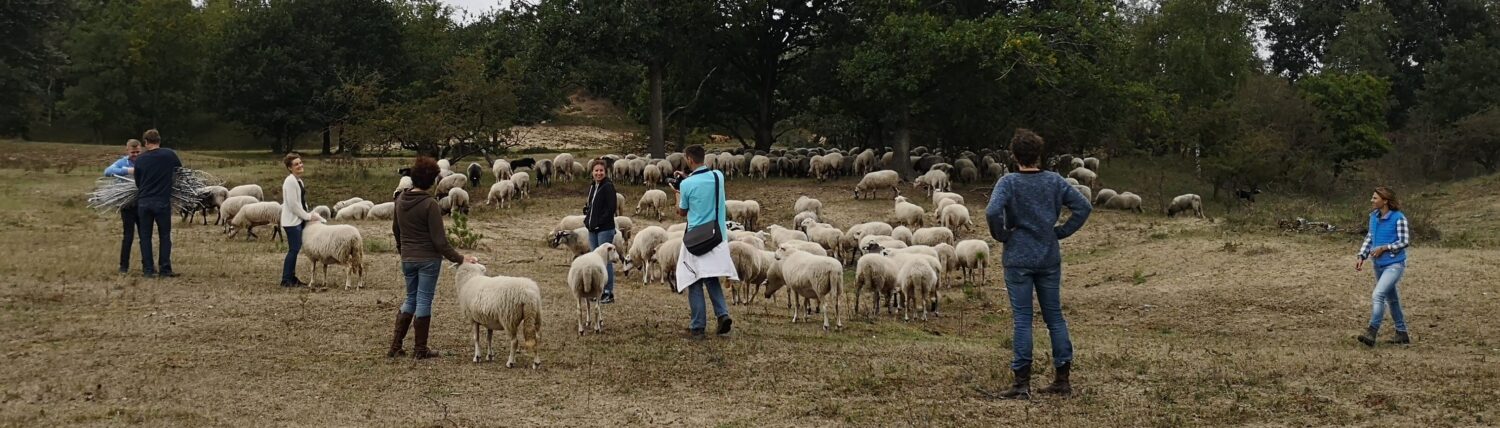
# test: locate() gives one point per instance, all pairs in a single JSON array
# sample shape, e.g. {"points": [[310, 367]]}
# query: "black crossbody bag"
{"points": [[703, 238]]}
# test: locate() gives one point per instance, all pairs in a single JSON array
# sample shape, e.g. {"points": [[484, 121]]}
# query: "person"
{"points": [[294, 215], [125, 168], [1385, 243], [155, 173], [1022, 215], [599, 218], [699, 196], [423, 244]]}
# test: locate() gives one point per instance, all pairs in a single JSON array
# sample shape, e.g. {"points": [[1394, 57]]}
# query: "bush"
{"points": [[460, 235]]}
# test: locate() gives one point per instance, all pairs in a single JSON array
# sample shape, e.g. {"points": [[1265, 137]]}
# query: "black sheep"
{"points": [[1248, 195], [475, 171], [516, 164]]}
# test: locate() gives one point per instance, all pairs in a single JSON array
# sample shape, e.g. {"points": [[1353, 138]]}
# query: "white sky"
{"points": [[474, 7]]}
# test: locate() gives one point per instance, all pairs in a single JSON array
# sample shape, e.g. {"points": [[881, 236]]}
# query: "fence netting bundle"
{"points": [[111, 193]]}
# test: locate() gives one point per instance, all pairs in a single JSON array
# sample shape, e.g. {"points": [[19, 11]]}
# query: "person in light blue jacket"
{"points": [[1386, 243], [125, 168]]}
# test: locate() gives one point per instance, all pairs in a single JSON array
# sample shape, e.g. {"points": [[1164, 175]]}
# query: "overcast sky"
{"points": [[474, 7]]}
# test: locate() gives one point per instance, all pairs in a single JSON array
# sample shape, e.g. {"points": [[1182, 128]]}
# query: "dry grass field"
{"points": [[1176, 322]]}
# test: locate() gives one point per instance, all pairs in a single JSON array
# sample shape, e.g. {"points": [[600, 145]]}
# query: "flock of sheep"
{"points": [[903, 260]]}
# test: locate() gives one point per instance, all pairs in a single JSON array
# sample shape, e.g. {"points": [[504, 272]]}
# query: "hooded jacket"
{"points": [[418, 228], [599, 214]]}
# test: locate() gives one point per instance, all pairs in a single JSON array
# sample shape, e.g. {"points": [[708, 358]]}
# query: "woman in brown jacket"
{"points": [[423, 244]]}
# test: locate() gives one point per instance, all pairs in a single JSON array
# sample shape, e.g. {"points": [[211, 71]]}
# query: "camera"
{"points": [[673, 182]]}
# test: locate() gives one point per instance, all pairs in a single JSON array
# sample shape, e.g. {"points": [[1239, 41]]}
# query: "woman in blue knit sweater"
{"points": [[1386, 244]]}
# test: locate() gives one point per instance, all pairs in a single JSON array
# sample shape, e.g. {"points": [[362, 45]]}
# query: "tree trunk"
{"points": [[903, 144], [327, 142], [765, 120], [682, 131], [658, 134]]}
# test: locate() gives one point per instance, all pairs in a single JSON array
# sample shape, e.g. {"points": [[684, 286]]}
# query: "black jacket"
{"points": [[599, 213]]}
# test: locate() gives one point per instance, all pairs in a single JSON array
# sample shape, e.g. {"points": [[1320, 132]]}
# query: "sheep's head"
{"points": [[557, 238], [608, 252], [733, 225], [900, 199], [873, 248]]}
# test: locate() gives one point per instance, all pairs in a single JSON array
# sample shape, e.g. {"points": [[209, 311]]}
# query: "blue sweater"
{"points": [[155, 171], [1027, 204], [118, 169]]}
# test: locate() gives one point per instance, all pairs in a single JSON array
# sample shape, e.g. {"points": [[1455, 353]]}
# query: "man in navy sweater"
{"points": [[1022, 215], [155, 171]]}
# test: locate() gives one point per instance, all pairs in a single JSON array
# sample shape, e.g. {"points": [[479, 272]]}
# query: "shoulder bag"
{"points": [[703, 238]]}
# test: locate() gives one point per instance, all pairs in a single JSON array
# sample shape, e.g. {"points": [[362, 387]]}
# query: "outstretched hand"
{"points": [[1359, 265]]}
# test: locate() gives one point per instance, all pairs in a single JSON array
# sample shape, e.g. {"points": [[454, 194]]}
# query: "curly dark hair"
{"points": [[1027, 147], [424, 172]]}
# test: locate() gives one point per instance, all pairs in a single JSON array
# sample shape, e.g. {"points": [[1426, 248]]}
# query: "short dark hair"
{"points": [[151, 136], [290, 156], [424, 172], [1027, 147], [694, 152], [598, 162]]}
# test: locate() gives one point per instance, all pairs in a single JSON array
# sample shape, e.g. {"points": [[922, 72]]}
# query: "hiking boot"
{"points": [[1369, 337], [398, 337], [695, 334], [607, 299], [1060, 384], [724, 325], [1021, 388], [168, 275], [1401, 338], [290, 285], [420, 350]]}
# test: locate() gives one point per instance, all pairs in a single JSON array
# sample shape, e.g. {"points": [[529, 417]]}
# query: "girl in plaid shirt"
{"points": [[1385, 243]]}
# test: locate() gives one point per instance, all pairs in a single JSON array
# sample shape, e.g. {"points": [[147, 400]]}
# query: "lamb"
{"points": [[523, 183], [642, 252], [475, 171], [619, 204], [501, 192], [1084, 176], [575, 240], [323, 211], [877, 272], [754, 268], [973, 254], [353, 212], [1092, 163], [457, 199], [454, 181], [1103, 196], [587, 278], [954, 216], [231, 207], [257, 214], [1085, 191], [336, 244], [1126, 202], [248, 190], [907, 213], [653, 200], [883, 179], [347, 202], [652, 174], [760, 167], [744, 212], [501, 168], [1185, 203], [810, 276], [563, 164], [917, 279], [806, 204], [505, 303], [381, 211], [903, 234]]}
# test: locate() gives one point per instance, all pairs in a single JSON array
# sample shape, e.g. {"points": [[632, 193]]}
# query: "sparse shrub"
{"points": [[460, 235]]}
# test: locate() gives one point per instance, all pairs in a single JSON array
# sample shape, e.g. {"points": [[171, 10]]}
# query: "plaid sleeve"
{"points": [[1403, 236], [1364, 249]]}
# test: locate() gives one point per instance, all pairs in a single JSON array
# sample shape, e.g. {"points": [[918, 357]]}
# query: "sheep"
{"points": [[334, 244], [1078, 163], [586, 278], [619, 204], [381, 211], [857, 232], [803, 246], [939, 197], [806, 204], [1185, 203], [580, 171], [803, 217], [760, 167], [231, 207], [884, 179], [948, 256], [677, 227], [917, 278], [753, 266], [445, 168], [323, 211], [877, 243], [247, 190], [1087, 193], [666, 258], [864, 162], [973, 254], [1084, 176], [1071, 181], [501, 192], [642, 252], [654, 201], [955, 216], [544, 172], [501, 168], [758, 239], [625, 227], [829, 237], [932, 236], [877, 272], [475, 171], [209, 198], [1126, 202], [454, 181], [995, 170], [1103, 196], [781, 234], [903, 234], [347, 202], [1092, 163], [811, 276], [401, 186], [744, 212], [353, 212], [933, 181], [833, 164], [907, 213], [821, 168], [620, 170], [257, 214], [505, 303], [563, 163], [523, 183], [457, 200], [569, 223], [575, 240], [652, 174]]}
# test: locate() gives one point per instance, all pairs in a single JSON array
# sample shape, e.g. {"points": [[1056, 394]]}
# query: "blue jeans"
{"points": [[695, 301], [293, 246], [421, 284], [1385, 294], [158, 214], [1047, 283], [600, 238], [130, 217]]}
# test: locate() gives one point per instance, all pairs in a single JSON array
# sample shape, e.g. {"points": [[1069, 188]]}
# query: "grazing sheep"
{"points": [[1084, 176], [619, 204], [1103, 196], [1125, 202], [642, 252], [803, 217], [625, 227], [544, 172], [834, 164], [231, 207], [586, 278], [353, 212], [347, 202], [918, 280], [806, 204], [323, 211], [666, 258], [744, 212], [877, 272], [1092, 163], [677, 227], [932, 236], [753, 265], [256, 214], [760, 167], [811, 276], [907, 213], [654, 201], [457, 200], [505, 303], [1071, 181], [973, 254], [579, 170], [475, 171], [620, 171], [454, 181], [933, 181], [758, 239], [652, 174], [209, 198], [382, 211], [884, 179], [903, 234], [939, 197], [334, 244], [802, 246], [954, 216], [523, 183], [1077, 163], [569, 223], [247, 190], [1085, 191], [875, 244], [864, 162], [1188, 202], [563, 164], [781, 234], [501, 192], [948, 257], [574, 240], [858, 232], [501, 168]]}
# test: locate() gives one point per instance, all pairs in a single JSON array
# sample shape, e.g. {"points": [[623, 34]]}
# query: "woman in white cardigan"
{"points": [[294, 214]]}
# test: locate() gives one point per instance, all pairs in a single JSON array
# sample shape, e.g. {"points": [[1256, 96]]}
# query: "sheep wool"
{"points": [[586, 278], [257, 214], [512, 304], [814, 277], [339, 244]]}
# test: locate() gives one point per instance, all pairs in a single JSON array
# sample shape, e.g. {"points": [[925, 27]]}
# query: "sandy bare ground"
{"points": [[1175, 322]]}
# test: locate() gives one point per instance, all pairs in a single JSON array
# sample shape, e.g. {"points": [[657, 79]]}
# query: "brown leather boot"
{"points": [[420, 349], [1060, 384], [1021, 388], [398, 338]]}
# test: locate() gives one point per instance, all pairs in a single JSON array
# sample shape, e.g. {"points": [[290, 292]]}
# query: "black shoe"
{"points": [[149, 274], [291, 285], [168, 275], [1369, 337], [607, 299], [1401, 339], [696, 334], [1020, 389], [124, 270], [724, 325]]}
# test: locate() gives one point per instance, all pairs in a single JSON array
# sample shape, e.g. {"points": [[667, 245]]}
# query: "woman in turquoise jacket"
{"points": [[1385, 243]]}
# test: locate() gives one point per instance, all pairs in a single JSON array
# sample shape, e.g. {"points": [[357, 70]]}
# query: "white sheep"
{"points": [[873, 181], [642, 252], [932, 236], [231, 207], [501, 192], [1188, 202], [918, 281], [506, 303], [677, 227], [574, 240], [1071, 181], [569, 223], [801, 246], [907, 213], [878, 273], [654, 201], [827, 236], [454, 181], [652, 174], [903, 234], [753, 265], [563, 164], [353, 212], [625, 227], [456, 200], [347, 202], [253, 190], [381, 211], [323, 211], [781, 234], [523, 183], [948, 257], [859, 231], [760, 167], [810, 276], [1077, 163], [666, 258], [501, 168], [1126, 202], [334, 244], [934, 180], [803, 217], [586, 278], [619, 204], [973, 254], [819, 168], [445, 168], [744, 212], [256, 214], [1084, 176], [1092, 163], [757, 239], [874, 244], [1087, 193], [1104, 196], [864, 161], [209, 198], [806, 204], [402, 185], [952, 198], [954, 216]]}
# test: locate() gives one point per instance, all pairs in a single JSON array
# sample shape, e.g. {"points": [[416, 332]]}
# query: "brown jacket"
{"points": [[418, 227]]}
